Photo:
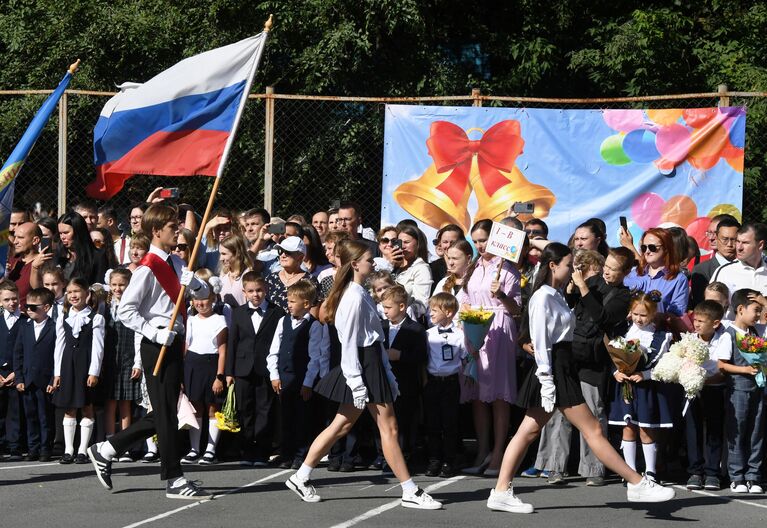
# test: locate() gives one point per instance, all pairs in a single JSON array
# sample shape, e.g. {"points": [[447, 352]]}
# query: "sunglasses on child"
{"points": [[652, 248], [33, 307]]}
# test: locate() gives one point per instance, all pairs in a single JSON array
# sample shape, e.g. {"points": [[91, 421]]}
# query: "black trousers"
{"points": [[294, 442], [706, 414], [255, 401], [38, 411], [163, 391], [10, 416], [441, 399]]}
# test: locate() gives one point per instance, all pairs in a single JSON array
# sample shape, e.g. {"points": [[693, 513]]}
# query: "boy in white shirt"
{"points": [[441, 394]]}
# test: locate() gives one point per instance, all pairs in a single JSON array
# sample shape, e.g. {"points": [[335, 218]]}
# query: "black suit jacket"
{"points": [[701, 276], [33, 358], [413, 344], [247, 350], [8, 342]]}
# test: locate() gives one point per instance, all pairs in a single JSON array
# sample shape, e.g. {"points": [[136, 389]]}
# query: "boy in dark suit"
{"points": [[33, 369], [10, 408], [250, 335], [406, 343]]}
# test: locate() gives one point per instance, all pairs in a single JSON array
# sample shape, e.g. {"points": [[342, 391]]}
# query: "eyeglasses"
{"points": [[652, 248], [33, 307], [534, 232], [344, 220], [384, 240], [135, 218], [710, 233], [181, 247], [727, 241]]}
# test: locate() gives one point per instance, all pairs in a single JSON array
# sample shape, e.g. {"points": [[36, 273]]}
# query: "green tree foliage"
{"points": [[557, 48]]}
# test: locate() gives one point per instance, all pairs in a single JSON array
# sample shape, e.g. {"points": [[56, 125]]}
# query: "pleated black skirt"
{"points": [[333, 385], [567, 385], [199, 375], [74, 392]]}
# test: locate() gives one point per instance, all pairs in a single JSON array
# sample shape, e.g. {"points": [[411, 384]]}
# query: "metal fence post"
{"points": [[268, 149], [476, 95], [62, 190], [724, 99]]}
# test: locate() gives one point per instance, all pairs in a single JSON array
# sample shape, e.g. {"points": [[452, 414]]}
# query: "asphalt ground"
{"points": [[34, 494]]}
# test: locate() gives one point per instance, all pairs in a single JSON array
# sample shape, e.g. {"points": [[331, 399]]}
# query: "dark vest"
{"points": [[7, 342], [79, 347], [739, 382], [293, 357]]}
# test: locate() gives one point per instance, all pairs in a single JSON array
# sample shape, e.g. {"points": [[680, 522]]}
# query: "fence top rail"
{"points": [[478, 97]]}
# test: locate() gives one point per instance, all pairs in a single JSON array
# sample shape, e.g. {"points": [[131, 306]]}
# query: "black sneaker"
{"points": [[334, 464], [695, 482], [66, 458], [447, 471], [190, 490], [297, 463], [45, 457], [712, 483], [150, 458], [102, 466], [81, 458], [32, 457], [15, 456], [433, 469], [347, 467]]}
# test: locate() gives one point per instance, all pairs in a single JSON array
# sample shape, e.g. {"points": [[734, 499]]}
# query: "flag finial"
{"points": [[268, 24], [74, 66]]}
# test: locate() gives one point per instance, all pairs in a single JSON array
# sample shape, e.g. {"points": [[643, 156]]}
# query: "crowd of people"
{"points": [[313, 321]]}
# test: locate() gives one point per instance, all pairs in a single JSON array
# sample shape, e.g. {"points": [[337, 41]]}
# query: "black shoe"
{"points": [[188, 491], [102, 466], [285, 464], [448, 470], [32, 457], [695, 482], [297, 463], [66, 458], [433, 469], [81, 458], [45, 457], [347, 467], [334, 464], [150, 458], [15, 456], [377, 464]]}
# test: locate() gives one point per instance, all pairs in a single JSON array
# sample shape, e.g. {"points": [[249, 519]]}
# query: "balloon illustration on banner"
{"points": [[667, 138]]}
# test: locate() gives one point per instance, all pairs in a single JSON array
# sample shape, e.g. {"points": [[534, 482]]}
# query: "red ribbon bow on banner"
{"points": [[497, 150]]}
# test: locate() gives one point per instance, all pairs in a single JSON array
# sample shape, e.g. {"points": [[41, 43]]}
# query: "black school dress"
{"points": [[76, 362]]}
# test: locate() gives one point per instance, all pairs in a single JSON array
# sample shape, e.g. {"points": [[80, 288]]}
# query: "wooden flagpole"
{"points": [[214, 190]]}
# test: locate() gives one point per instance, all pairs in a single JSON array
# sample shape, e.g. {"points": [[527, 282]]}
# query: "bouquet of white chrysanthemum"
{"points": [[683, 365], [691, 347], [692, 377], [668, 368]]}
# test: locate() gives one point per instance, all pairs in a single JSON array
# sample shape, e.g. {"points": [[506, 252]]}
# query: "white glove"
{"points": [[198, 288], [360, 395], [548, 392], [186, 276], [164, 337]]}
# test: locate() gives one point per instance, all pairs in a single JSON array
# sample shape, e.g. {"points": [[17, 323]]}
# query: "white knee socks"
{"points": [[151, 445], [194, 436], [70, 427], [86, 430], [213, 433], [630, 453], [650, 455]]}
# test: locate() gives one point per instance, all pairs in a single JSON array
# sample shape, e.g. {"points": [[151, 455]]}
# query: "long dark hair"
{"points": [[420, 238], [347, 252], [315, 250], [82, 245], [554, 252], [486, 226]]}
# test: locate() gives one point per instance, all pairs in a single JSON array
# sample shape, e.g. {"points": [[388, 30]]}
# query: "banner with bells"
{"points": [[457, 165]]}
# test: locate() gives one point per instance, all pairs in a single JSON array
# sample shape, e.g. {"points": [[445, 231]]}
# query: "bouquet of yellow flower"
{"points": [[226, 420], [476, 325]]}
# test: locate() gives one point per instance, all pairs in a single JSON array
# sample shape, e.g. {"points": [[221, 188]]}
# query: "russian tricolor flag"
{"points": [[176, 124]]}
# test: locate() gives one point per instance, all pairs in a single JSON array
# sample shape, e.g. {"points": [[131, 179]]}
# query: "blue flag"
{"points": [[12, 166]]}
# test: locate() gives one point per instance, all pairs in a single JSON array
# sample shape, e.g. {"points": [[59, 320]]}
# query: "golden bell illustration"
{"points": [[425, 200], [518, 189]]}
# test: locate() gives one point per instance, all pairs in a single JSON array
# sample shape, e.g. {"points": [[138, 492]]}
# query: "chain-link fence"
{"points": [[323, 149]]}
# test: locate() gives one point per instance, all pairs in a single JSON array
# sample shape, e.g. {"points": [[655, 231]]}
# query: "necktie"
{"points": [[170, 263], [445, 330]]}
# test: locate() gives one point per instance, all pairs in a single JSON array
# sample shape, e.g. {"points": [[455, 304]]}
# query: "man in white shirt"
{"points": [[146, 308], [726, 237], [749, 270]]}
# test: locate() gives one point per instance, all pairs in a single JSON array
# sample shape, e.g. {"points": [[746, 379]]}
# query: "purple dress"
{"points": [[496, 367]]}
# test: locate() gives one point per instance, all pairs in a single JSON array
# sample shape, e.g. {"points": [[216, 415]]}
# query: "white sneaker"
{"points": [[507, 501], [303, 489], [738, 487], [420, 500], [648, 491], [754, 487]]}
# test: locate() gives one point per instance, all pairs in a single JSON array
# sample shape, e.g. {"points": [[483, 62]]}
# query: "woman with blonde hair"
{"points": [[234, 262]]}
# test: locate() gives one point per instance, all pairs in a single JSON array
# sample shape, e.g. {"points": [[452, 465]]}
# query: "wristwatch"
{"points": [[221, 378]]}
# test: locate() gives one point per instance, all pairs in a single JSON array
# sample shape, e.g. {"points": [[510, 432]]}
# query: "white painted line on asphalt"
{"points": [[726, 499], [197, 503], [366, 487], [393, 504], [30, 465], [392, 487]]}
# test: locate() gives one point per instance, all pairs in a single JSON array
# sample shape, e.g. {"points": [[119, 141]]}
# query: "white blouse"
{"points": [[77, 320], [551, 322], [202, 333], [358, 325], [417, 281], [645, 336]]}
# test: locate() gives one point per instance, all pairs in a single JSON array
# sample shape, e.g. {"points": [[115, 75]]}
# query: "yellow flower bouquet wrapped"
{"points": [[226, 419], [476, 325]]}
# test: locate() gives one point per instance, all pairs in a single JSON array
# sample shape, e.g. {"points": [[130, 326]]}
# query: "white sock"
{"points": [[194, 435], [178, 482], [70, 427], [630, 453], [107, 450], [650, 452], [151, 445], [304, 472], [409, 487], [213, 434], [86, 430]]}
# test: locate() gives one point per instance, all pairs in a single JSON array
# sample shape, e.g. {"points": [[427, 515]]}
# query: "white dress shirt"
{"points": [[11, 318], [315, 351], [737, 275], [720, 347], [38, 328], [118, 245], [145, 307], [202, 333], [358, 326], [76, 320], [258, 317], [439, 337], [551, 322], [394, 330]]}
